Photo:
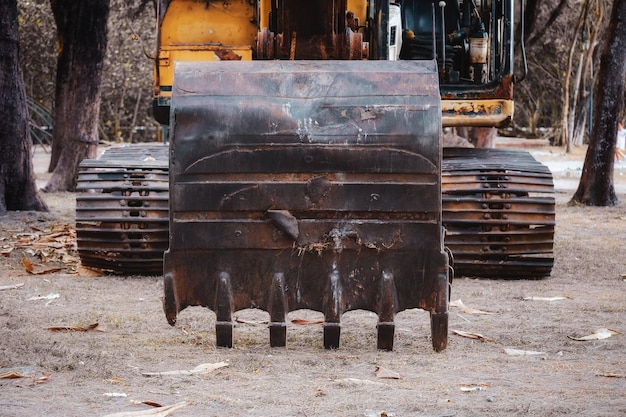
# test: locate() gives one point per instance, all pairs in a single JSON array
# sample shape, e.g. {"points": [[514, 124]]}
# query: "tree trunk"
{"points": [[82, 37], [530, 18], [533, 35], [18, 190], [582, 99], [565, 118], [480, 137], [582, 123], [596, 184]]}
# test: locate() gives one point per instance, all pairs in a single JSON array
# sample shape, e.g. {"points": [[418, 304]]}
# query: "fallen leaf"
{"points": [[50, 296], [55, 244], [115, 380], [147, 402], [12, 375], [518, 352], [357, 381], [386, 373], [30, 268], [204, 368], [467, 310], [152, 403], [91, 327], [471, 335], [46, 271], [41, 380], [472, 389], [11, 287], [304, 322], [557, 298], [598, 334], [153, 412], [89, 272], [243, 321], [27, 265], [611, 375]]}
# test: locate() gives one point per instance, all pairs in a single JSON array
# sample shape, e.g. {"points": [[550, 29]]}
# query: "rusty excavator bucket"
{"points": [[307, 185]]}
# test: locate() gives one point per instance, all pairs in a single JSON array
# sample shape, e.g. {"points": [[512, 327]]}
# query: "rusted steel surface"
{"points": [[122, 210], [498, 211], [471, 105], [501, 90], [480, 113], [522, 247], [307, 185]]}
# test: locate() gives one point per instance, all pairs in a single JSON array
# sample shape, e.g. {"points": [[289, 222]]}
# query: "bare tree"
{"points": [[596, 184], [480, 137], [579, 116], [538, 98], [565, 132], [18, 190], [82, 38], [532, 35]]}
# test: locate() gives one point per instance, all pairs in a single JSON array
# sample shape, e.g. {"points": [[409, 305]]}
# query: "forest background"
{"points": [[560, 59]]}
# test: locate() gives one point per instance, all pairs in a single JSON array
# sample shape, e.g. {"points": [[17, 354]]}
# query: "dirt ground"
{"points": [[104, 371]]}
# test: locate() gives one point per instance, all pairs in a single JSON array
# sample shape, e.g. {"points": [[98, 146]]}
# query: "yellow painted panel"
{"points": [[201, 22], [168, 57], [479, 113], [359, 8]]}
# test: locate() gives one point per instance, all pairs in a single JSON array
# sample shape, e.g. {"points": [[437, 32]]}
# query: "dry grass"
{"points": [[303, 379]]}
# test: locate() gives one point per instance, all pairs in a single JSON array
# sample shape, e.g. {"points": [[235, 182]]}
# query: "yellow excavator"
{"points": [[306, 167], [471, 40]]}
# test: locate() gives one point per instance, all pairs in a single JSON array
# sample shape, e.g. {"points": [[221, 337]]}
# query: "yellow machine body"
{"points": [[472, 94]]}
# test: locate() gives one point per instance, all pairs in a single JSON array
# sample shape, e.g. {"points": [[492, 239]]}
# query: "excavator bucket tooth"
{"points": [[306, 185]]}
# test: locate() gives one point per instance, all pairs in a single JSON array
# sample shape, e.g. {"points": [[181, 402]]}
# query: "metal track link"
{"points": [[122, 212], [498, 211]]}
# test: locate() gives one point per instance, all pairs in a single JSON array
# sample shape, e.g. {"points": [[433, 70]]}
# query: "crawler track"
{"points": [[122, 210], [498, 210]]}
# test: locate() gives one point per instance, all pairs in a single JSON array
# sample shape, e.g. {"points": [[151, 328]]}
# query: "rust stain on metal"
{"points": [[500, 91], [227, 55], [307, 195]]}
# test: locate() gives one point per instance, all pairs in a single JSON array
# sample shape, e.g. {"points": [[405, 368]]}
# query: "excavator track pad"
{"points": [[122, 210], [488, 237], [498, 211]]}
